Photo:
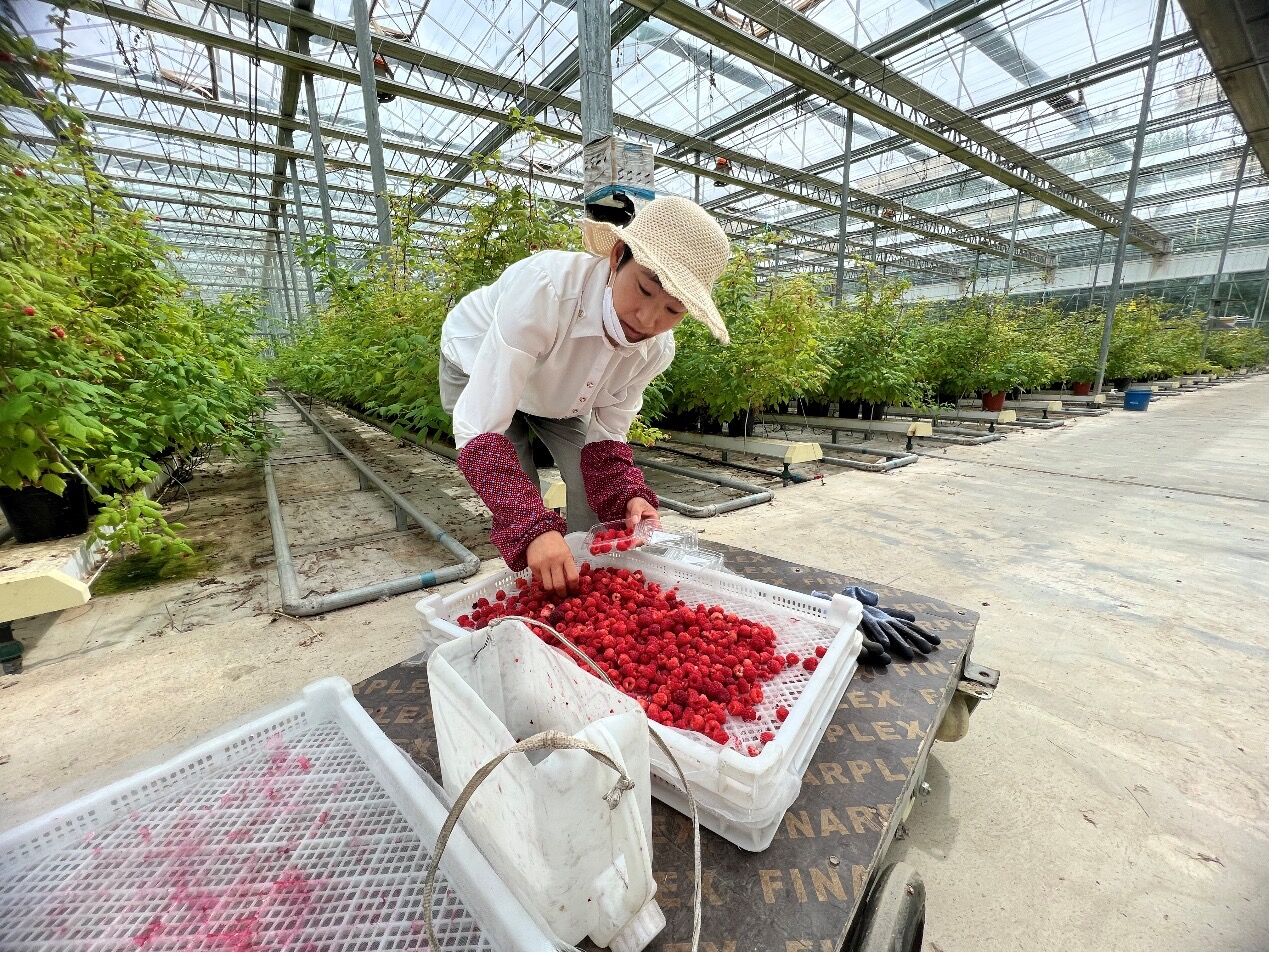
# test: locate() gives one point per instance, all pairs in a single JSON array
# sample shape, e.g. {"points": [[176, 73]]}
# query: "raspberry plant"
{"points": [[106, 364]]}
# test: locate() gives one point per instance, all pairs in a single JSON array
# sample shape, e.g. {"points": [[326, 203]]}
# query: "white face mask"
{"points": [[610, 320]]}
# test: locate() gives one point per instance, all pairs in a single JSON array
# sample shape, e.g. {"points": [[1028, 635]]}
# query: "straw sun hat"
{"points": [[683, 245]]}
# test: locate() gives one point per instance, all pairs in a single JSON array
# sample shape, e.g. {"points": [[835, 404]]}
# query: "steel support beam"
{"points": [[222, 207], [868, 207], [844, 212], [1158, 125], [915, 263], [951, 16], [291, 259], [887, 98], [236, 194], [289, 94], [1008, 273], [1076, 80], [1183, 165], [1235, 36], [626, 19], [1075, 147], [1121, 248], [287, 152], [593, 30], [735, 224], [320, 161], [283, 281], [1137, 272], [300, 231], [284, 124], [918, 31], [371, 118], [1213, 301], [1092, 290]]}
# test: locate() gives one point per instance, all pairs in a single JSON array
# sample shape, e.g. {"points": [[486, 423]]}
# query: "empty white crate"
{"points": [[740, 797], [305, 828]]}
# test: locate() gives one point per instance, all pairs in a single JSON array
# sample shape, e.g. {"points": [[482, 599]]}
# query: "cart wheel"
{"points": [[955, 721], [893, 915]]}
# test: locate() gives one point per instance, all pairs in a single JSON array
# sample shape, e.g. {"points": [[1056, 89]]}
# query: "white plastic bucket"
{"points": [[541, 819]]}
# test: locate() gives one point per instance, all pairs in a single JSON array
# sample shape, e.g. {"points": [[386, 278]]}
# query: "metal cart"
{"points": [[822, 884]]}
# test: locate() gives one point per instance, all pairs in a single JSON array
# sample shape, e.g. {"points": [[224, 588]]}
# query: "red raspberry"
{"points": [[781, 714], [811, 663], [767, 736], [688, 667], [819, 652]]}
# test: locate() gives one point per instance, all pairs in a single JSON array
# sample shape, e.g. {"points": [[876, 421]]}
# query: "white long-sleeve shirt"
{"points": [[532, 341]]}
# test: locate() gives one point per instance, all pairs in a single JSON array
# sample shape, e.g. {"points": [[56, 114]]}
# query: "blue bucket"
{"points": [[1137, 399]]}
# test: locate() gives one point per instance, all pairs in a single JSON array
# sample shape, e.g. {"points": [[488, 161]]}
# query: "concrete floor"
{"points": [[1113, 795]]}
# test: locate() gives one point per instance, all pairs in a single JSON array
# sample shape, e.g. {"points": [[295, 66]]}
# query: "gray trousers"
{"points": [[564, 438]]}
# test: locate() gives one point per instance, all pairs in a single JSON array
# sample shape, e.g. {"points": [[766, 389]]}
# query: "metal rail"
{"points": [[893, 459], [786, 474], [755, 495], [404, 514]]}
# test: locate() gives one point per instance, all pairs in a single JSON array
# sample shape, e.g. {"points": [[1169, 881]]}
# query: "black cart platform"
{"points": [[807, 891]]}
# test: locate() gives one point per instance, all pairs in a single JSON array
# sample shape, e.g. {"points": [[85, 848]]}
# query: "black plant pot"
{"points": [[38, 515], [741, 425], [1121, 383], [849, 409], [813, 409], [679, 421], [874, 412]]}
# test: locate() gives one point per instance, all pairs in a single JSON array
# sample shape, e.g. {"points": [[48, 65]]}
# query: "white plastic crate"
{"points": [[305, 828], [740, 797]]}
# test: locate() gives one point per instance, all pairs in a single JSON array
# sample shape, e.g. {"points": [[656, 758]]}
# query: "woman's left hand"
{"points": [[639, 510]]}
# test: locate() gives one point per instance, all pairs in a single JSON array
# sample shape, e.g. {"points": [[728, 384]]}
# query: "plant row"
{"points": [[375, 345], [108, 366]]}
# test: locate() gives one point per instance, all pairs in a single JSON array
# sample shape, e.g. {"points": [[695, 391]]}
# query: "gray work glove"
{"points": [[886, 630]]}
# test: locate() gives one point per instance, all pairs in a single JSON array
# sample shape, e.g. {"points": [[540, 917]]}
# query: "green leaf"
{"points": [[23, 461], [72, 427], [51, 482]]}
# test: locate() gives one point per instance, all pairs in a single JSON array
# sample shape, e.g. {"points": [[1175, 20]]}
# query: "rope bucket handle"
{"points": [[556, 740]]}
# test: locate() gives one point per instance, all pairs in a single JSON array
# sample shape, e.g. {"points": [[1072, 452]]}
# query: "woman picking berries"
{"points": [[561, 347]]}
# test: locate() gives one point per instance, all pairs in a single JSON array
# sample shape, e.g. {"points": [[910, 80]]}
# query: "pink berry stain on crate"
{"points": [[295, 847]]}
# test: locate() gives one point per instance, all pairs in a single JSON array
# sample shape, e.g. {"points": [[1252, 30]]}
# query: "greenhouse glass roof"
{"points": [[195, 109]]}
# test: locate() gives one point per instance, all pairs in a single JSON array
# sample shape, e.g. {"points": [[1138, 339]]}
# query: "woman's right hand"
{"points": [[552, 564]]}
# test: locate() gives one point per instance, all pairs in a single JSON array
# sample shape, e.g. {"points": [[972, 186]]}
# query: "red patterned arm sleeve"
{"points": [[490, 464], [611, 480]]}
